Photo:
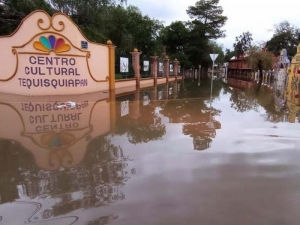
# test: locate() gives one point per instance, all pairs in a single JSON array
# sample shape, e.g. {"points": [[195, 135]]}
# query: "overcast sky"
{"points": [[256, 16]]}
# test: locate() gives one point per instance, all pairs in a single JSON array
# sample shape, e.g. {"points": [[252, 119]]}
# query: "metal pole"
{"points": [[213, 58], [212, 74], [199, 75]]}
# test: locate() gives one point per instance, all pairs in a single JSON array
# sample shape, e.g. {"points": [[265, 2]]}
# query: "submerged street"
{"points": [[160, 155]]}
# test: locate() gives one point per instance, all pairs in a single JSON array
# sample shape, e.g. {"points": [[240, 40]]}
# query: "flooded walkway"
{"points": [[169, 155]]}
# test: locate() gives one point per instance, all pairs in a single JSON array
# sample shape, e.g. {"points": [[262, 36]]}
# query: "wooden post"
{"points": [[111, 52]]}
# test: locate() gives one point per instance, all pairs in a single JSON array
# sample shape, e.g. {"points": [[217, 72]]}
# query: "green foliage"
{"points": [[206, 24], [243, 43], [175, 37], [285, 36], [208, 18], [13, 11], [143, 29], [255, 54], [228, 54], [118, 76], [217, 49], [83, 8]]}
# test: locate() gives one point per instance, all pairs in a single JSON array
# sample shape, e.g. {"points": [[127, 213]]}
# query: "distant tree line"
{"points": [[285, 36]]}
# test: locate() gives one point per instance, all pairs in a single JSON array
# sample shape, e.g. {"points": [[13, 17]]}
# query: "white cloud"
{"points": [[256, 16]]}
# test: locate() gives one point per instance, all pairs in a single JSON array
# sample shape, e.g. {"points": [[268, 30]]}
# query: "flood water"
{"points": [[158, 156]]}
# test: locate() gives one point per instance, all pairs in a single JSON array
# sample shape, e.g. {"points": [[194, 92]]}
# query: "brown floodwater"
{"points": [[172, 154]]}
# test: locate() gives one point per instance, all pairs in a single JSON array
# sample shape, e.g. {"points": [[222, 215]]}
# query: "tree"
{"points": [[208, 18], [92, 16], [218, 49], [12, 12], [228, 54], [285, 36], [207, 22], [243, 43], [82, 7], [255, 54], [176, 39], [144, 30]]}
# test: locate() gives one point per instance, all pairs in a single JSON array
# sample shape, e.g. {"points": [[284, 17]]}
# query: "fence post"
{"points": [[111, 50], [135, 105], [113, 115], [175, 91], [136, 65], [167, 67], [154, 68]]}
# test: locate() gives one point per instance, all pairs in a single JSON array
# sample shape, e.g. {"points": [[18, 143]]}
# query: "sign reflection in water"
{"points": [[59, 159]]}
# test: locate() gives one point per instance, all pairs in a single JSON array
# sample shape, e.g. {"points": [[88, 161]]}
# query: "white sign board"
{"points": [[124, 62], [160, 67], [160, 95], [213, 56], [146, 66], [124, 108], [146, 100]]}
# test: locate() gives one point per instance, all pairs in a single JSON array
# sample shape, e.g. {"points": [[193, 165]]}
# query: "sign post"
{"points": [[213, 58]]}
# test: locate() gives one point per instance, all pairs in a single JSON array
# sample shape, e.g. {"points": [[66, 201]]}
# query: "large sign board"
{"points": [[50, 56]]}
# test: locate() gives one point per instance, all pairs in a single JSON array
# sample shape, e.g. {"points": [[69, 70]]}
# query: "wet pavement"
{"points": [[159, 156]]}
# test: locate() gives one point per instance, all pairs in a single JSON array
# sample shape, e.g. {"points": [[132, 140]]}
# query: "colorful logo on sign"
{"points": [[58, 140], [51, 44]]}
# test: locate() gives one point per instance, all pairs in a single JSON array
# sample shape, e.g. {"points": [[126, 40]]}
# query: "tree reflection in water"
{"points": [[145, 128], [193, 110], [243, 95], [269, 101], [103, 220], [93, 183], [142, 124]]}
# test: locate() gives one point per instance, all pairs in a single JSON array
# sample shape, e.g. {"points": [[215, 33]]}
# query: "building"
{"points": [[239, 68]]}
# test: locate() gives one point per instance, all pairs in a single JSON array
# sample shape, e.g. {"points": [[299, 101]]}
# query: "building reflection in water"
{"points": [[59, 155]]}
